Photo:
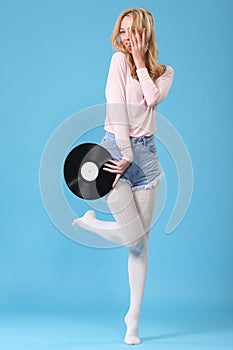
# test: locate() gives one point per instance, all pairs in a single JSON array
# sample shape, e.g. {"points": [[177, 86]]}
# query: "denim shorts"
{"points": [[144, 171]]}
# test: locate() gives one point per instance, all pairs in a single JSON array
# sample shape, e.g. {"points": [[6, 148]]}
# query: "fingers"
{"points": [[132, 38], [116, 180], [143, 41], [135, 37], [144, 37], [138, 37], [116, 167], [113, 161], [111, 168], [139, 41]]}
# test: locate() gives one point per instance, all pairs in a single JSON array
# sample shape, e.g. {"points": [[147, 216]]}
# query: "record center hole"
{"points": [[89, 171]]}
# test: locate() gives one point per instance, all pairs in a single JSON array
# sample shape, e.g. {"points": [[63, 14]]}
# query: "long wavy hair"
{"points": [[141, 18]]}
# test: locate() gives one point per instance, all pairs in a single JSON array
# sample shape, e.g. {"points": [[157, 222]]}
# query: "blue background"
{"points": [[54, 62]]}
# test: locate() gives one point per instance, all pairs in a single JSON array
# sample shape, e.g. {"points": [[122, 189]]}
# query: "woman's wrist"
{"points": [[126, 160], [140, 63]]}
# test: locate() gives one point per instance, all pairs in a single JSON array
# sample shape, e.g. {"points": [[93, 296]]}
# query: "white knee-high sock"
{"points": [[137, 264], [127, 229]]}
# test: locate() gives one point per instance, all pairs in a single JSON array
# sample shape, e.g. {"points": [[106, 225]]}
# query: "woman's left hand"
{"points": [[116, 167], [139, 47]]}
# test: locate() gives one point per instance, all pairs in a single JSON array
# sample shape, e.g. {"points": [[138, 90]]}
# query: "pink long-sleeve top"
{"points": [[131, 104]]}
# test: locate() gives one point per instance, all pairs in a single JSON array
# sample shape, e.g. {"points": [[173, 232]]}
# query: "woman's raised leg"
{"points": [[128, 229]]}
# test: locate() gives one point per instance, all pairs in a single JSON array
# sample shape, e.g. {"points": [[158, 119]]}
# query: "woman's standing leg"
{"points": [[133, 213], [138, 262]]}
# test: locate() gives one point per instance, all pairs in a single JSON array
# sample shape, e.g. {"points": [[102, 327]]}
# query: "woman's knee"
{"points": [[139, 246]]}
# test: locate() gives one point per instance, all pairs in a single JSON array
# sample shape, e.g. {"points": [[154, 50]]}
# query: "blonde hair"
{"points": [[141, 18]]}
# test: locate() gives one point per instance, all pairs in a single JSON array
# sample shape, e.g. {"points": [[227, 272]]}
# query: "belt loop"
{"points": [[133, 143], [144, 141]]}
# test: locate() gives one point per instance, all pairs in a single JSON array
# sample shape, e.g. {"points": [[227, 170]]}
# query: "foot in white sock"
{"points": [[78, 223], [131, 337]]}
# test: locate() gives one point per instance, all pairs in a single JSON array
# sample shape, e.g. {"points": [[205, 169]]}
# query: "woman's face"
{"points": [[126, 24]]}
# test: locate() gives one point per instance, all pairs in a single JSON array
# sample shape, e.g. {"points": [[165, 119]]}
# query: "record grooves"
{"points": [[84, 174]]}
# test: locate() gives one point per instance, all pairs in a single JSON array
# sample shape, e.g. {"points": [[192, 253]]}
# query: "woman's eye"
{"points": [[122, 32]]}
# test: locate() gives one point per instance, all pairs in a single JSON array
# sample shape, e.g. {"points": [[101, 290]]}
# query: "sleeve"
{"points": [[155, 92], [116, 104]]}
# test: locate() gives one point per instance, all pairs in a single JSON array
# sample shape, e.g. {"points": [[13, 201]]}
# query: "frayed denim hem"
{"points": [[146, 186], [125, 180]]}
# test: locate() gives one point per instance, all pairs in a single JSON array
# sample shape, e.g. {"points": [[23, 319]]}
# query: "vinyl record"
{"points": [[84, 174]]}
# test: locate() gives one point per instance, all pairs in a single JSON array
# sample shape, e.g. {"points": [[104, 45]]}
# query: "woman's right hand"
{"points": [[116, 167], [139, 47]]}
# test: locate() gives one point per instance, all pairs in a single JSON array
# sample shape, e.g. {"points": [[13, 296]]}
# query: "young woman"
{"points": [[136, 84]]}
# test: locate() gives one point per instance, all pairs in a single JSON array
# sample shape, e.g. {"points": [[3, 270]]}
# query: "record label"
{"points": [[89, 171]]}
